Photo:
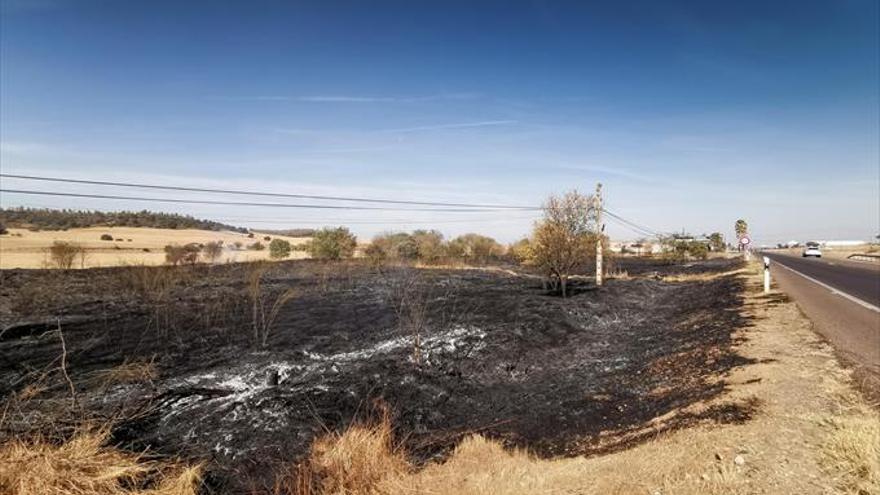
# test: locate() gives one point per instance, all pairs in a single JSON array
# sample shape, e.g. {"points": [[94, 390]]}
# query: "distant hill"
{"points": [[48, 219]]}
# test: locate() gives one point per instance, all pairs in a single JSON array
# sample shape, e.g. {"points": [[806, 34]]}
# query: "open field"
{"points": [[662, 378], [22, 248]]}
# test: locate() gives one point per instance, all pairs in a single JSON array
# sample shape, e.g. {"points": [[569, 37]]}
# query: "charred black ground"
{"points": [[496, 355]]}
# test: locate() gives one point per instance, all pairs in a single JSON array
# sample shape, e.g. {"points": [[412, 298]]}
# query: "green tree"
{"points": [[279, 248], [475, 248], [741, 227], [429, 244], [716, 241], [564, 241], [332, 244], [521, 251]]}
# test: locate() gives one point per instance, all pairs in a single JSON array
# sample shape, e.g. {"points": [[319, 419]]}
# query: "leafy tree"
{"points": [[376, 254], [681, 247], [563, 242], [279, 248], [332, 244], [429, 246], [423, 245], [475, 248], [521, 251], [398, 246], [716, 241], [187, 254]]}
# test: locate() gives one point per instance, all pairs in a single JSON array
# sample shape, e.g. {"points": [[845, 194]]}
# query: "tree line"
{"points": [[49, 219]]}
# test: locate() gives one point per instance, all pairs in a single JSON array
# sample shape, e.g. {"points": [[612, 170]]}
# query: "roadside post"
{"points": [[766, 275], [600, 229]]}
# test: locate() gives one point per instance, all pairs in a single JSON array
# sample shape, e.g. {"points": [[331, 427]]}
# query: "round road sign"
{"points": [[745, 241]]}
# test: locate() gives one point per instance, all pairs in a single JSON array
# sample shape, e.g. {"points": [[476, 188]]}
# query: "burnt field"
{"points": [[243, 365]]}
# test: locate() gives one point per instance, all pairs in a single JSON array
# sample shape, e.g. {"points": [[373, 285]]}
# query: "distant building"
{"points": [[637, 248], [833, 244]]}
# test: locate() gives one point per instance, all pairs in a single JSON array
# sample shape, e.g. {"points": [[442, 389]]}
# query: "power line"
{"points": [[374, 222], [242, 203], [262, 193], [442, 207], [633, 229], [630, 227], [632, 224]]}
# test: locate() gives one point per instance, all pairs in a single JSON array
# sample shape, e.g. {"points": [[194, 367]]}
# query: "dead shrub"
{"points": [[264, 306], [410, 298], [154, 284], [212, 251], [63, 254], [84, 465], [176, 255]]}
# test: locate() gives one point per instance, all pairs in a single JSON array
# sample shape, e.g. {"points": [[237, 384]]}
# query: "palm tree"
{"points": [[741, 227]]}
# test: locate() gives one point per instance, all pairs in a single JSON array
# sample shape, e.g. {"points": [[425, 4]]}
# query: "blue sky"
{"points": [[692, 114]]}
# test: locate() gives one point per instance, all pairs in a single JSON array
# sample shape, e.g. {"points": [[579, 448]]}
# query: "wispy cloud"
{"points": [[459, 125], [354, 98], [616, 171], [346, 99]]}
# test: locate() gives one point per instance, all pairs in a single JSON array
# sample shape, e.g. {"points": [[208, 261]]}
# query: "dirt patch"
{"points": [[495, 355]]}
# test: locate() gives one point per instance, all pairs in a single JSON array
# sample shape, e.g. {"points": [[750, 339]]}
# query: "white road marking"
{"points": [[833, 290]]}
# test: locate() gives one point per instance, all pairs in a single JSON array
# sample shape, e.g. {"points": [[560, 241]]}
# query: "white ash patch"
{"points": [[449, 341], [242, 385]]}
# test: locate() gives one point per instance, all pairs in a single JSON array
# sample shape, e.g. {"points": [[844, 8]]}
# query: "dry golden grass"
{"points": [[127, 372], [852, 450], [364, 461], [361, 460], [702, 277], [84, 465]]}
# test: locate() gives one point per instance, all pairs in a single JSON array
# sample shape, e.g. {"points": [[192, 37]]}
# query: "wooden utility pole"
{"points": [[599, 231]]}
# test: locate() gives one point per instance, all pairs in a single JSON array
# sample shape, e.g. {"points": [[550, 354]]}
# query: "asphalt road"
{"points": [[842, 298], [857, 278]]}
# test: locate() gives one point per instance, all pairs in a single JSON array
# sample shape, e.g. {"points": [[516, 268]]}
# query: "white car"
{"points": [[812, 250]]}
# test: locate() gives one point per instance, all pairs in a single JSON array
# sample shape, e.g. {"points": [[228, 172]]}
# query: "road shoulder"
{"points": [[852, 329]]}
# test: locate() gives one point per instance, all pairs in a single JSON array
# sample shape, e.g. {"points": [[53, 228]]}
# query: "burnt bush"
{"points": [[187, 254]]}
